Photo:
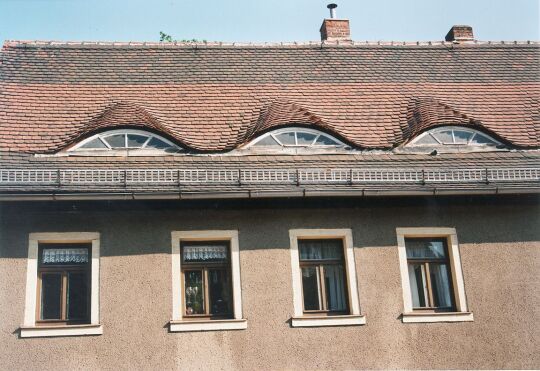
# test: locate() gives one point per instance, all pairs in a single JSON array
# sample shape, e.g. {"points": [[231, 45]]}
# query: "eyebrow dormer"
{"points": [[124, 141]]}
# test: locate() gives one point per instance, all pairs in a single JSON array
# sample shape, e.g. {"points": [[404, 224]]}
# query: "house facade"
{"points": [[328, 205]]}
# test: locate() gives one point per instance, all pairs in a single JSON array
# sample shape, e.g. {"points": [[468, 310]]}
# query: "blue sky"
{"points": [[263, 20]]}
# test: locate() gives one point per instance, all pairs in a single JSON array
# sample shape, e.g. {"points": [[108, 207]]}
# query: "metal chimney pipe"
{"points": [[332, 8]]}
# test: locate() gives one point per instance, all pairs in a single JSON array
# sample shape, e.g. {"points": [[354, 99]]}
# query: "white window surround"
{"points": [[409, 316], [301, 320], [178, 323], [29, 328], [434, 133], [108, 150]]}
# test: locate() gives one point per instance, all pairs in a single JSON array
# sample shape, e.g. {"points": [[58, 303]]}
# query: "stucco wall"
{"points": [[500, 256]]}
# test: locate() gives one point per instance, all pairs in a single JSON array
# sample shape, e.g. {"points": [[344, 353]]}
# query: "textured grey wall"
{"points": [[500, 257]]}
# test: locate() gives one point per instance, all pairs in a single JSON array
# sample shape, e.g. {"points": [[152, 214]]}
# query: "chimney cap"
{"points": [[331, 6]]}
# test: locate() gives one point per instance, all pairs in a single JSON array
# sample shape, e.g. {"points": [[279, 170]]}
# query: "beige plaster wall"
{"points": [[501, 263]]}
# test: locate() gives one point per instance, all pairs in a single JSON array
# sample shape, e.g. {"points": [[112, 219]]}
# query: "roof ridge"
{"points": [[214, 44]]}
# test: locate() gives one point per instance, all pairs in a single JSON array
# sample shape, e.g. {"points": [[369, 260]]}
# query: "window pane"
{"points": [[334, 279], [286, 138], [116, 140], [51, 291], [77, 296], [462, 137], [425, 248], [445, 136], [320, 250], [304, 139], [95, 143], [65, 256], [157, 144], [205, 253], [440, 282], [310, 288], [417, 281], [325, 141], [136, 141], [427, 140], [482, 139], [268, 141], [219, 290], [194, 294]]}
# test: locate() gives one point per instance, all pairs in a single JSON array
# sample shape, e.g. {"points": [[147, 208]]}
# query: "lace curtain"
{"points": [[63, 256], [205, 253]]}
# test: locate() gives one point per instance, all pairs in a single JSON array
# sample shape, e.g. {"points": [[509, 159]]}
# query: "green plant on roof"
{"points": [[163, 37]]}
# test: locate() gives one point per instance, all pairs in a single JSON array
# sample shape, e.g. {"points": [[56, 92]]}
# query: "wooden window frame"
{"points": [[301, 319], [460, 311], [30, 327], [63, 270], [322, 290], [426, 262], [205, 267], [182, 323]]}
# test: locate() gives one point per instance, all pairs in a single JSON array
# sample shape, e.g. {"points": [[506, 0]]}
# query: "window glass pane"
{"points": [[320, 250], [482, 139], [440, 284], [304, 139], [268, 141], [205, 253], [116, 140], [425, 248], [445, 136], [323, 140], [95, 143], [219, 291], [157, 144], [66, 256], [136, 141], [77, 296], [286, 138], [334, 279], [51, 291], [194, 294], [426, 140], [417, 281], [462, 137], [310, 288]]}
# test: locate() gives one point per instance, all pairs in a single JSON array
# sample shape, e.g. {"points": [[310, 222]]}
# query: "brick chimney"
{"points": [[460, 33], [334, 29]]}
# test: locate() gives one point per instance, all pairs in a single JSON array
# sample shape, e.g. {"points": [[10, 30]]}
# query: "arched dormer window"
{"points": [[294, 140], [121, 141], [454, 136]]}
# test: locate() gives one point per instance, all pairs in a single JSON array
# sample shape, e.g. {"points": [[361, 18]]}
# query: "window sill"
{"points": [[208, 325], [63, 330], [437, 317], [321, 321]]}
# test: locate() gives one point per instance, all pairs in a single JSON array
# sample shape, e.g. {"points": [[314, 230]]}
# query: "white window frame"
{"points": [[301, 320], [462, 313], [178, 323], [29, 328], [474, 132], [76, 149]]}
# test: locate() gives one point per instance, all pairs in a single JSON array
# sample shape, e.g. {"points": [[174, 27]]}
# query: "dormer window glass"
{"points": [[125, 140], [454, 136], [298, 138]]}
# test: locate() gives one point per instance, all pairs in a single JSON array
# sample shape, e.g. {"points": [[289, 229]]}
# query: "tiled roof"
{"points": [[212, 97]]}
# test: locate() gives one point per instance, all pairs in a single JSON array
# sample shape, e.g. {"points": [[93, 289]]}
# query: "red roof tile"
{"points": [[214, 98]]}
